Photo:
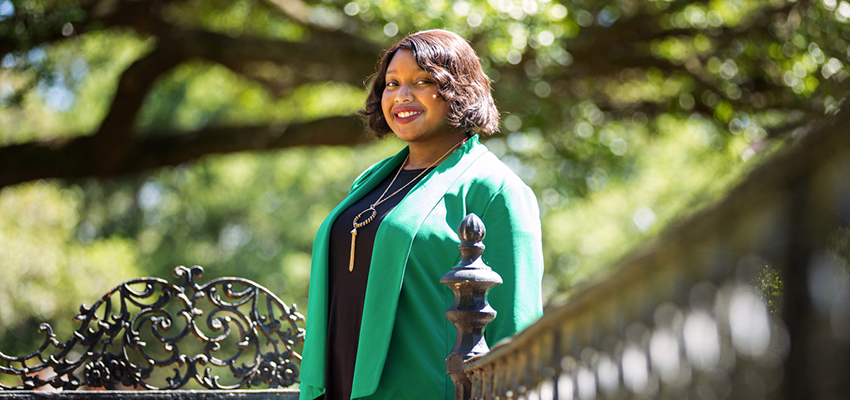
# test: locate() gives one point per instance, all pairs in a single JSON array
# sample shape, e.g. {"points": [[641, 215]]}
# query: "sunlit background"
{"points": [[623, 116]]}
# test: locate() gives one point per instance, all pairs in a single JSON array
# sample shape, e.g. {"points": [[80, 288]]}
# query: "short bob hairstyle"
{"points": [[452, 62]]}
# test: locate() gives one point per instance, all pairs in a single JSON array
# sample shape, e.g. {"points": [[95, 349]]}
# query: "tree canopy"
{"points": [[737, 63], [139, 135]]}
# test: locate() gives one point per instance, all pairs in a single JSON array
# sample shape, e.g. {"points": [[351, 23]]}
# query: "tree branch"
{"points": [[325, 55], [295, 9], [114, 136], [73, 158], [115, 147], [141, 15]]}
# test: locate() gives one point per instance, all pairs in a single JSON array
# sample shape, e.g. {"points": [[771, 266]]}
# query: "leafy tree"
{"points": [[622, 115], [567, 70]]}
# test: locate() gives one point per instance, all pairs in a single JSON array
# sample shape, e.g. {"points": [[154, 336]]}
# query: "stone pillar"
{"points": [[470, 281]]}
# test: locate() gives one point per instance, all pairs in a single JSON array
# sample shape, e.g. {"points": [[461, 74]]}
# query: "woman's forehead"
{"points": [[403, 61]]}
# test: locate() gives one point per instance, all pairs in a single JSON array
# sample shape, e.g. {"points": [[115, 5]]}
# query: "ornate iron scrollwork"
{"points": [[137, 336]]}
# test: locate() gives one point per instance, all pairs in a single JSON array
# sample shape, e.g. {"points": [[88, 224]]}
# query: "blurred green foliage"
{"points": [[623, 116]]}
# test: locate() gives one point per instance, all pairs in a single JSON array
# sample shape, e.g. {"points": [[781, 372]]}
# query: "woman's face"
{"points": [[411, 102]]}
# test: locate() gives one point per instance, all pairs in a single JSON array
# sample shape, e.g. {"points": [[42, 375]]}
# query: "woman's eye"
{"points": [[392, 84]]}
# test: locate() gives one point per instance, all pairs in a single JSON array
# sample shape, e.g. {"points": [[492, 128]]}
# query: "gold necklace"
{"points": [[382, 199]]}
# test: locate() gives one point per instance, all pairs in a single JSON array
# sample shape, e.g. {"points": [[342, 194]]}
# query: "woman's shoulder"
{"points": [[489, 170], [489, 176], [369, 172], [489, 184]]}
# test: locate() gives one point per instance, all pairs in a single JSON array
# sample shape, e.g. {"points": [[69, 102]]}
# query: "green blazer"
{"points": [[404, 336]]}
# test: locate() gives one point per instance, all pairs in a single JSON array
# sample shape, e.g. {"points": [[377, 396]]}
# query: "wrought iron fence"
{"points": [[147, 333], [687, 317]]}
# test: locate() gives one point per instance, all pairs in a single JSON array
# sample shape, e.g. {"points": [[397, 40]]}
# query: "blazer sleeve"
{"points": [[514, 250]]}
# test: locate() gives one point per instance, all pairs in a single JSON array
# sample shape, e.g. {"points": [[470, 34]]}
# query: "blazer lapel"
{"points": [[313, 365], [389, 262]]}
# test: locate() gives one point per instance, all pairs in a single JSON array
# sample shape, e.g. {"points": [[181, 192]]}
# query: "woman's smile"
{"points": [[406, 114]]}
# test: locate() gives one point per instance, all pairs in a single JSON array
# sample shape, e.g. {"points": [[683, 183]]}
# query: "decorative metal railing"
{"points": [[470, 281], [147, 333], [685, 316]]}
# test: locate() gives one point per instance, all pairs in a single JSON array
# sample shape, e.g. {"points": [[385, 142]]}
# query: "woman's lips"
{"points": [[404, 117]]}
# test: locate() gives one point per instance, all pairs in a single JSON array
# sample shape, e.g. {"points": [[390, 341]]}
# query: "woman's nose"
{"points": [[404, 94]]}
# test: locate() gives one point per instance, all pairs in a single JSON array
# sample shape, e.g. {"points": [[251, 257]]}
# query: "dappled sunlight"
{"points": [[240, 215], [47, 268], [200, 95], [83, 85], [320, 100], [624, 117], [669, 179], [236, 18]]}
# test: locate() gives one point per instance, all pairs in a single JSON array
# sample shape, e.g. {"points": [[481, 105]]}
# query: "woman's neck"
{"points": [[426, 155]]}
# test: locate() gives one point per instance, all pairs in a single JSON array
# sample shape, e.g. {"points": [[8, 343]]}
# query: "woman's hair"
{"points": [[452, 62]]}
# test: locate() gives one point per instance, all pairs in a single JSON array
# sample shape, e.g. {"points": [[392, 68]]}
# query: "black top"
{"points": [[347, 290]]}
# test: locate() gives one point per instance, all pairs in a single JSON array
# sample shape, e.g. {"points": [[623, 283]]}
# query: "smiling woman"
{"points": [[376, 307], [415, 111]]}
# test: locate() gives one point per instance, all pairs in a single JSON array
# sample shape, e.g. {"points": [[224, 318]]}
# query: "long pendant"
{"points": [[354, 231], [351, 261]]}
